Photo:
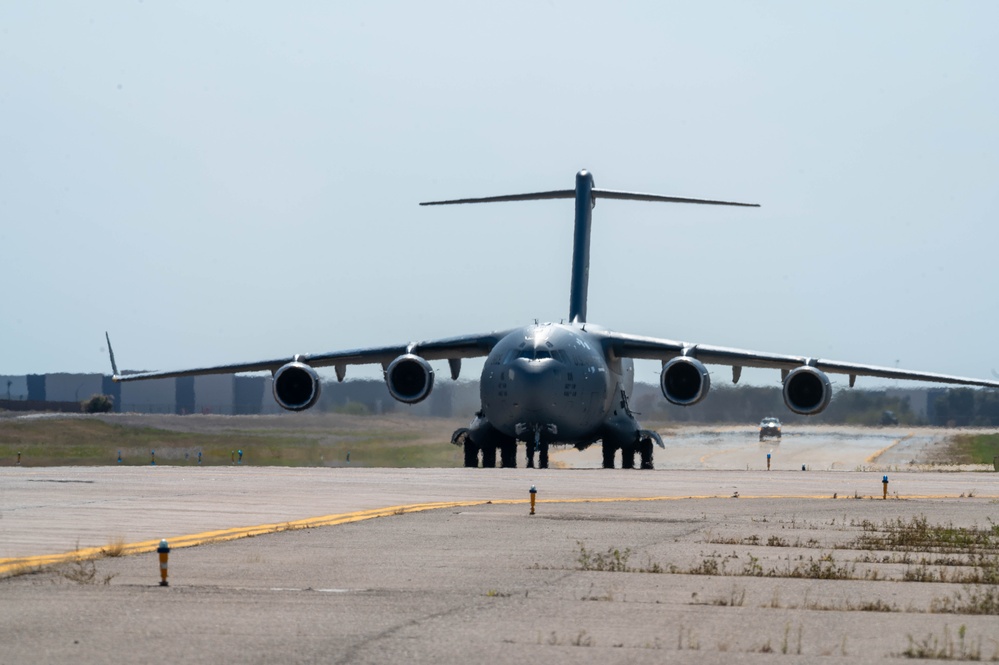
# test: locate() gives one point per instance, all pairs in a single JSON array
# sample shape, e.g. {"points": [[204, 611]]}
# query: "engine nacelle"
{"points": [[409, 378], [685, 381], [807, 390], [296, 387]]}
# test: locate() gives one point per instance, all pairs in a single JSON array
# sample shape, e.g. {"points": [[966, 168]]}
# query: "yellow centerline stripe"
{"points": [[873, 458], [192, 540]]}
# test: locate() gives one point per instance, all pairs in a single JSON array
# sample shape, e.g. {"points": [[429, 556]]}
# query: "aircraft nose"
{"points": [[536, 382]]}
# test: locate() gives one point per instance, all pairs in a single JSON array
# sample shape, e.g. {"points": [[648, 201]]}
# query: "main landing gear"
{"points": [[537, 451], [506, 452], [643, 448]]}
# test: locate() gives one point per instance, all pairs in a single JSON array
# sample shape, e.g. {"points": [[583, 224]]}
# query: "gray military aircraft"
{"points": [[566, 383]]}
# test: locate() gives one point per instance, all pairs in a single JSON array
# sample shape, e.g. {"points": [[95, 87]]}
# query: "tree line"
{"points": [[953, 407]]}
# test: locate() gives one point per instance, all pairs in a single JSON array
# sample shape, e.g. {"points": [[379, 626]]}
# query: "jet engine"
{"points": [[685, 381], [807, 390], [409, 378], [296, 386]]}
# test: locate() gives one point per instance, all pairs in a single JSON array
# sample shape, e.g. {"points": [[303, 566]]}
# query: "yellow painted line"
{"points": [[13, 565], [21, 563], [875, 456]]}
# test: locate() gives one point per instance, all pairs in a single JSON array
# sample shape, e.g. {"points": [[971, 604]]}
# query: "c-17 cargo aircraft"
{"points": [[568, 383]]}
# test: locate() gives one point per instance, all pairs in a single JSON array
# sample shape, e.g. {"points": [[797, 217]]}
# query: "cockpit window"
{"points": [[530, 353]]}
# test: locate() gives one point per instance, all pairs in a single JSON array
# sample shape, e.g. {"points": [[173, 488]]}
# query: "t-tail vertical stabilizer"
{"points": [[580, 280], [586, 196]]}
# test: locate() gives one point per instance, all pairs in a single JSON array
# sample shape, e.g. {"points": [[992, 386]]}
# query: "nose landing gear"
{"points": [[537, 444]]}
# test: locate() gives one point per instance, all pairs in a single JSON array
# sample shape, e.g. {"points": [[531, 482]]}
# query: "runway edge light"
{"points": [[884, 485], [534, 493], [164, 552]]}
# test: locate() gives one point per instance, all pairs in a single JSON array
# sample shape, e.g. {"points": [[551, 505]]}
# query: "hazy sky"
{"points": [[231, 181]]}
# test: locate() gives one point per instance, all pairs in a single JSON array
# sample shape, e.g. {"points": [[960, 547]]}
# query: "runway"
{"points": [[817, 447], [55, 510], [447, 566]]}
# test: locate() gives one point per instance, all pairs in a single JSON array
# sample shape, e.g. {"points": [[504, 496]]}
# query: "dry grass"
{"points": [[115, 548], [929, 553], [314, 440]]}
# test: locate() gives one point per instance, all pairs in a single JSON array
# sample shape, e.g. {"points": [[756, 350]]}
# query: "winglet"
{"points": [[114, 366]]}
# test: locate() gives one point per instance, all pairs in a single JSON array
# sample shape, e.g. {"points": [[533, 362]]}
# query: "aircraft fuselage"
{"points": [[553, 379]]}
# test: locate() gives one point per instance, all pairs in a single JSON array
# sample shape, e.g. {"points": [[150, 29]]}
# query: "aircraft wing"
{"points": [[451, 349], [634, 346]]}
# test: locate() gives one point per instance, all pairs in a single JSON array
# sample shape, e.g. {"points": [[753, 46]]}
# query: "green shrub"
{"points": [[98, 404]]}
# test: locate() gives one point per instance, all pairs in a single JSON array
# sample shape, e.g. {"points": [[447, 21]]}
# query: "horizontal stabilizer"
{"points": [[635, 196], [558, 194], [596, 194]]}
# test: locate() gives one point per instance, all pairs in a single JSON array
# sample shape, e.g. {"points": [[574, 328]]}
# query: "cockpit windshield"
{"points": [[527, 353]]}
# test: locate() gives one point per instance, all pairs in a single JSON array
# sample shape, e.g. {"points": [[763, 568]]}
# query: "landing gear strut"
{"points": [[628, 456], [471, 453], [508, 455], [609, 450], [645, 448], [541, 447]]}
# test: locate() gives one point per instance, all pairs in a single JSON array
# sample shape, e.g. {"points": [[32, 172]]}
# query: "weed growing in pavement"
{"points": [[708, 566], [823, 568], [945, 648], [115, 548], [784, 647], [609, 595], [755, 541], [845, 606], [930, 553], [752, 567], [580, 640], [654, 644], [83, 571], [977, 599], [615, 560], [919, 535], [691, 643], [736, 598], [20, 570]]}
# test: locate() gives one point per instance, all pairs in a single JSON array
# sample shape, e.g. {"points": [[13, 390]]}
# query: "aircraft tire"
{"points": [[471, 453], [508, 455], [488, 457], [543, 456], [645, 447], [628, 456], [609, 450]]}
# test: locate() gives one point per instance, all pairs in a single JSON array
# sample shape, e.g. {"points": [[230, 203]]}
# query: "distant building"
{"points": [[14, 387], [72, 387], [155, 396]]}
